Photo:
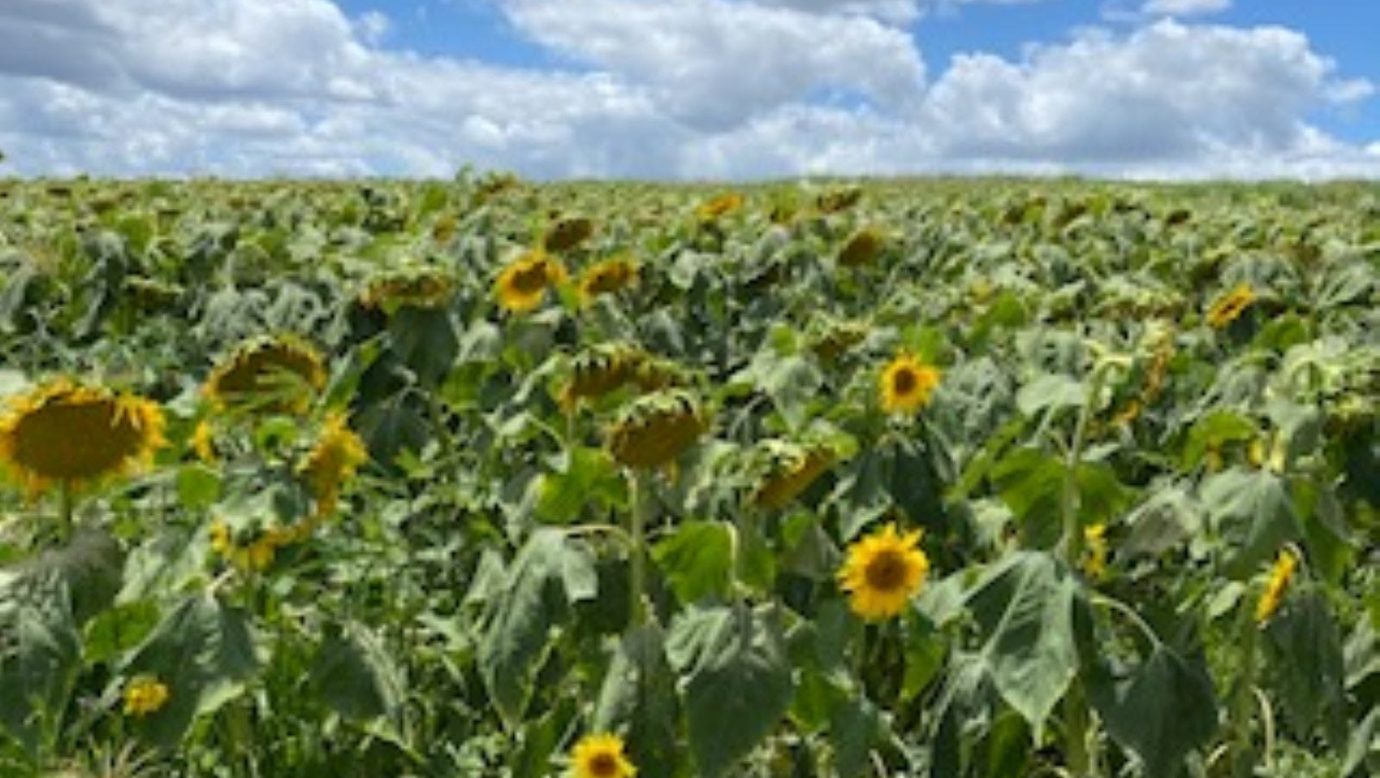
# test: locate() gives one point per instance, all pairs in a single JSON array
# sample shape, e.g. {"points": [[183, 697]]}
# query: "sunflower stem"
{"points": [[637, 576], [65, 509]]}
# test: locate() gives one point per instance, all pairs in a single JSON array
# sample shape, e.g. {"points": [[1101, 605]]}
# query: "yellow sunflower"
{"points": [[882, 572], [906, 384], [654, 430], [70, 435], [203, 441], [145, 694], [600, 756], [1229, 306], [607, 277], [338, 453], [1095, 546], [719, 206], [269, 374], [1281, 575], [521, 286]]}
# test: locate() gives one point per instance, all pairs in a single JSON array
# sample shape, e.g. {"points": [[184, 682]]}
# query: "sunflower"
{"points": [[71, 435], [1275, 588], [906, 384], [600, 756], [521, 286], [719, 206], [1095, 545], [598, 371], [655, 429], [862, 248], [834, 338], [417, 288], [840, 200], [277, 374], [203, 441], [607, 277], [338, 453], [882, 572], [145, 694], [1229, 306], [567, 234], [800, 468]]}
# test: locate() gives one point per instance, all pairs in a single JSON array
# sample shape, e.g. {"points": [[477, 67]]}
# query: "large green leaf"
{"points": [[550, 573], [1024, 608], [1160, 710], [1307, 667], [40, 653], [697, 560], [736, 679], [204, 652], [638, 699], [1253, 512], [356, 677]]}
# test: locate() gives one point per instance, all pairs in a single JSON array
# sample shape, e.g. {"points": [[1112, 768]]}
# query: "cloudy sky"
{"points": [[690, 88]]}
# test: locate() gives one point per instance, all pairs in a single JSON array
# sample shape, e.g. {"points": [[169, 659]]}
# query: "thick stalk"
{"points": [[1243, 703], [65, 508]]}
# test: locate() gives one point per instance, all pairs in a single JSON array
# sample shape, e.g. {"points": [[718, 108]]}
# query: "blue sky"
{"points": [[691, 88]]}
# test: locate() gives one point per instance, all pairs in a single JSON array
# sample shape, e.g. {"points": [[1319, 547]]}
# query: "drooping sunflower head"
{"points": [[862, 248], [426, 288], [719, 206], [653, 430], [70, 435], [521, 286], [1281, 575], [790, 471], [600, 370], [270, 374], [606, 277], [906, 384], [839, 200], [600, 756], [333, 461], [567, 234], [1230, 305], [832, 338], [882, 572]]}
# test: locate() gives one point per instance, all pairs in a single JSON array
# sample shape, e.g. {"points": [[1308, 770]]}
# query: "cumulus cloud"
{"points": [[678, 88], [1185, 7]]}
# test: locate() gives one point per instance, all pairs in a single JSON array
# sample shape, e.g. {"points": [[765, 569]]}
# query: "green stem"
{"points": [[1243, 703], [637, 579], [66, 508]]}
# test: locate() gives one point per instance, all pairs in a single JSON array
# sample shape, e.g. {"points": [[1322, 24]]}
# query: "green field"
{"points": [[943, 478]]}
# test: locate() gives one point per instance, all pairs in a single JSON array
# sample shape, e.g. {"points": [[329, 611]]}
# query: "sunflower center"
{"points": [[887, 571], [604, 765], [74, 441], [904, 381], [530, 279]]}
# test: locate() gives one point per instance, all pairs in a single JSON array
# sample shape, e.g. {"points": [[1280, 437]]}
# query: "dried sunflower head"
{"points": [[862, 248], [567, 234], [790, 470], [606, 277], [427, 288], [654, 430], [271, 374], [71, 435], [600, 370]]}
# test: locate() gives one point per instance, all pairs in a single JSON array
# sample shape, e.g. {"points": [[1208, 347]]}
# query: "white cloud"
{"points": [[1185, 7], [715, 63], [682, 88]]}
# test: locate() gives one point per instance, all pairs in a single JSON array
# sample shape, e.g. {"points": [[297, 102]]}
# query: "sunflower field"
{"points": [[949, 479]]}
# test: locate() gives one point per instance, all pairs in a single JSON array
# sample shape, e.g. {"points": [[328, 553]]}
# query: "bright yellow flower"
{"points": [[521, 286], [268, 374], [719, 206], [607, 277], [882, 572], [1227, 307], [66, 434], [601, 756], [1275, 588], [1095, 558], [338, 453], [906, 384], [204, 441], [144, 694]]}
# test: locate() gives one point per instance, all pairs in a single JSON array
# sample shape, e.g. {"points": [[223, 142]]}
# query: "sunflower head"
{"points": [[834, 338], [600, 756], [606, 277], [567, 234], [70, 435], [882, 572], [862, 248], [719, 206], [1095, 551], [521, 286], [906, 384], [203, 441], [338, 453], [145, 694], [1230, 305], [653, 430], [791, 470], [418, 288], [839, 200], [1281, 575], [600, 370], [279, 374]]}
